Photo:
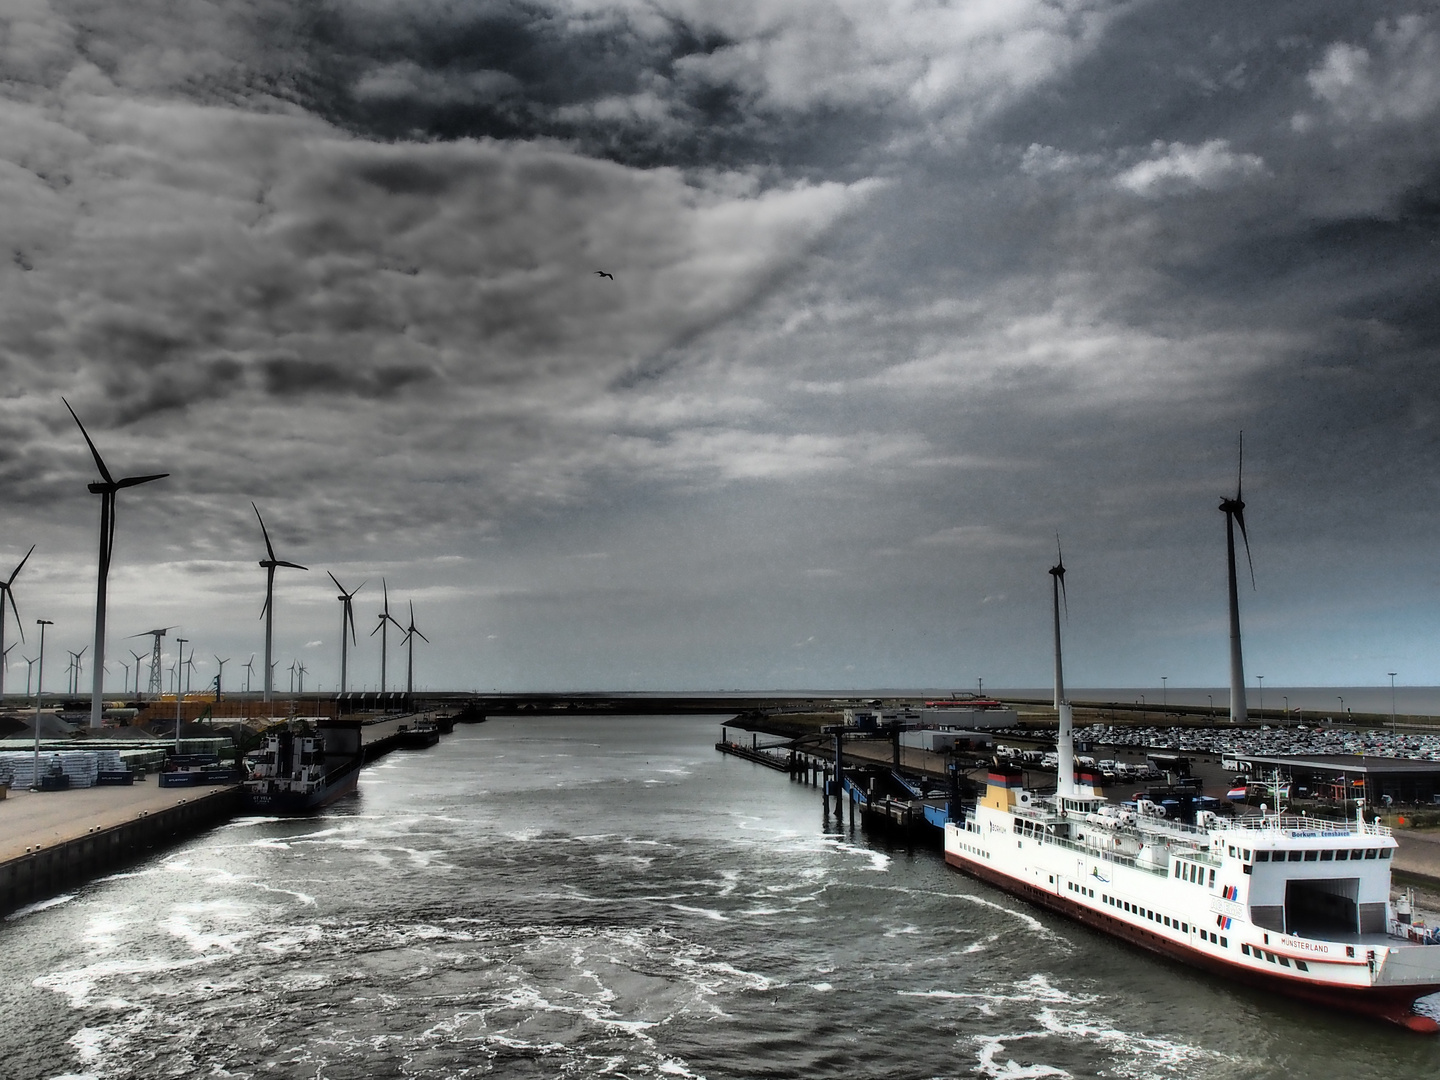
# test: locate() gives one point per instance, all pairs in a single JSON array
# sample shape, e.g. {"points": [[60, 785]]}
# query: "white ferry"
{"points": [[1297, 905]]}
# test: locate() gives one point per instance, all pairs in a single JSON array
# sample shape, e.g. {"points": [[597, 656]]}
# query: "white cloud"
{"points": [[1176, 168], [1398, 81]]}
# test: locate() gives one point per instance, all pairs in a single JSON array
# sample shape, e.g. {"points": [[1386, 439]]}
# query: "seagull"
{"points": [[602, 273]]}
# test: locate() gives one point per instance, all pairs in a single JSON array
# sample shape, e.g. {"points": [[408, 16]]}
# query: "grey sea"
{"points": [[575, 898]]}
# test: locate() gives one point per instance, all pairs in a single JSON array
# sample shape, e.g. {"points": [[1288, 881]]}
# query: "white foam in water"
{"points": [[39, 905]]}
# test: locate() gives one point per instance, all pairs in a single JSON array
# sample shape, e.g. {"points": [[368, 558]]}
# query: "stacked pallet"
{"points": [[81, 767]]}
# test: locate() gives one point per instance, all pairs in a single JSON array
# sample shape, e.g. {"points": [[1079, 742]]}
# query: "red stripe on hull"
{"points": [[1395, 1004]]}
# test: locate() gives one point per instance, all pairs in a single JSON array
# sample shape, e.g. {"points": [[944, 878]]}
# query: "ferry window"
{"points": [[1248, 868], [1385, 853], [1245, 949], [1224, 943], [1262, 856], [1350, 952], [1232, 851], [1247, 854], [1295, 856], [1184, 928], [1212, 879], [1327, 856], [1270, 956], [1311, 856], [1284, 961], [1177, 869], [1167, 920], [1370, 853], [1302, 965]]}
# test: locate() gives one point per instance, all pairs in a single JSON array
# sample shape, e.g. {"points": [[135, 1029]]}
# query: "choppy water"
{"points": [[578, 898]]}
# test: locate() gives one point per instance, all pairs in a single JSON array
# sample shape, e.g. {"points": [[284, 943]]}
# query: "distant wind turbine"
{"points": [[6, 592], [1234, 511], [268, 611], [385, 620], [220, 676], [249, 671], [107, 490], [411, 633], [347, 616], [138, 657]]}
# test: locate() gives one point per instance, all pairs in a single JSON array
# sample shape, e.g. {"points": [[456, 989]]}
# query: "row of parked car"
{"points": [[1108, 768], [1266, 740]]}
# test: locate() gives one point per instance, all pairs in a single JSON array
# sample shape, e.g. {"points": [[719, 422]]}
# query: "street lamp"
{"points": [[1212, 705], [1342, 708], [1261, 680], [39, 692], [1392, 703], [1287, 707]]}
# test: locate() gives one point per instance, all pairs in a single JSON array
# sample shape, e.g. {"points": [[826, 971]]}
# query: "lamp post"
{"points": [[1342, 707], [1261, 680], [1392, 703], [1286, 698], [39, 693]]}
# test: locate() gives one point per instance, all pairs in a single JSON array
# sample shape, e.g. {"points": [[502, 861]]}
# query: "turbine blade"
{"points": [[421, 636], [15, 609], [99, 461], [134, 481], [264, 532], [1240, 471], [1064, 600], [292, 565], [350, 618], [378, 625], [16, 572], [1240, 520], [336, 580]]}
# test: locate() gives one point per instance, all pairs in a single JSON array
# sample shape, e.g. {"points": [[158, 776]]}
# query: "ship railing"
{"points": [[1307, 826], [1107, 856]]}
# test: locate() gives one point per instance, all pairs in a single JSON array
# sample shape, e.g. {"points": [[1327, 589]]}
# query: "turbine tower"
{"points": [[268, 611], [7, 593], [347, 615], [107, 490], [1057, 572], [1234, 511], [220, 676], [411, 633], [249, 671], [385, 619], [138, 657]]}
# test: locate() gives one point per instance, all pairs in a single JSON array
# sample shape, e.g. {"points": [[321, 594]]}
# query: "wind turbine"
{"points": [[220, 676], [411, 633], [156, 687], [7, 593], [29, 667], [385, 619], [302, 680], [107, 491], [138, 657], [1234, 511], [1065, 738], [347, 615], [249, 671], [77, 668], [294, 667], [268, 611], [189, 666]]}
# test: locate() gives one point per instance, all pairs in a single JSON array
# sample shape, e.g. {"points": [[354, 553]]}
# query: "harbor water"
{"points": [[610, 897]]}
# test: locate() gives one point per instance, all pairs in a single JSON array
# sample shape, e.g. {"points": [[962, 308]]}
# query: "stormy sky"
{"points": [[900, 290]]}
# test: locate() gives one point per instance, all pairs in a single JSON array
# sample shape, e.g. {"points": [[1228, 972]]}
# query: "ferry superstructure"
{"points": [[1297, 905]]}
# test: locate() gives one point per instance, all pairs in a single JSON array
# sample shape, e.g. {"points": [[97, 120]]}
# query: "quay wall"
{"points": [[47, 870]]}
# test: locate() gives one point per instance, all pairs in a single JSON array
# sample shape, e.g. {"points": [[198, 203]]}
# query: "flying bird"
{"points": [[602, 273]]}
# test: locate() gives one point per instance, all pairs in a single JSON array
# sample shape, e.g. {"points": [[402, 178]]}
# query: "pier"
{"points": [[54, 840]]}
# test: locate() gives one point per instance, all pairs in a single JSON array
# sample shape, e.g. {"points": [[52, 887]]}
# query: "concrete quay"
{"points": [[52, 840]]}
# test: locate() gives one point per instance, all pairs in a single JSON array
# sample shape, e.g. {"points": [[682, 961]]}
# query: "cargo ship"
{"points": [[298, 772]]}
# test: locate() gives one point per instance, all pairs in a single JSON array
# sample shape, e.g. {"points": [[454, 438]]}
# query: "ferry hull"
{"points": [[1395, 1004]]}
